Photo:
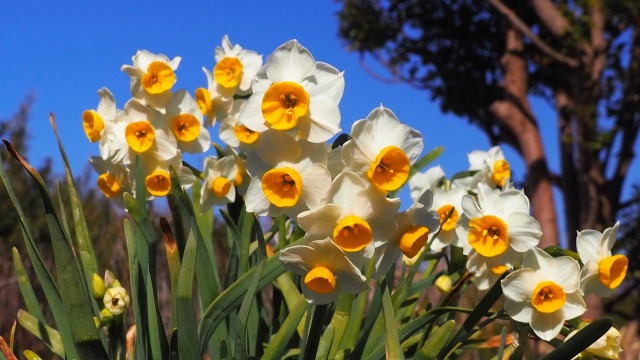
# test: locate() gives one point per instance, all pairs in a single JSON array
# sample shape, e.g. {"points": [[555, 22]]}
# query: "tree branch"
{"points": [[522, 27], [551, 17]]}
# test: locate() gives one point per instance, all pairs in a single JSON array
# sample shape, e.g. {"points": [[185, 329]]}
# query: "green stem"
{"points": [[315, 332]]}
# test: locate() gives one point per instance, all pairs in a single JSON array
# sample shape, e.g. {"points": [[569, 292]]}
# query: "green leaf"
{"points": [[50, 288], [340, 321], [243, 314], [48, 335], [30, 355], [230, 299], [394, 351], [137, 292], [30, 299], [436, 341], [75, 299], [87, 254], [278, 343], [187, 334], [425, 160], [580, 341]]}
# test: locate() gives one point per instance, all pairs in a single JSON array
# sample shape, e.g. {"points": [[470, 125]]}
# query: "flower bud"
{"points": [[116, 300], [98, 287], [443, 284], [109, 278], [106, 317]]}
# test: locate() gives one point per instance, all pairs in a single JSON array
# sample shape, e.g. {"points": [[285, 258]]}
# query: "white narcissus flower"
{"points": [[602, 272], [183, 120], [289, 176], [152, 77], [415, 227], [218, 188], [213, 106], [420, 181], [234, 133], [98, 123], [607, 346], [294, 92], [324, 269], [383, 149], [357, 216], [116, 300], [497, 224], [113, 179], [544, 292], [447, 201], [235, 69], [491, 166], [157, 175], [136, 134]]}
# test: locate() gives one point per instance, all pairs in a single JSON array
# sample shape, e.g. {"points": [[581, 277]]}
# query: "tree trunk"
{"points": [[514, 111]]}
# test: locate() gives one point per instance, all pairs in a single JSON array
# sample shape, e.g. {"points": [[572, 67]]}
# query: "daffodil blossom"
{"points": [[294, 92], [235, 69], [491, 167], [544, 292], [447, 201], [157, 175], [607, 346], [234, 133], [211, 103], [357, 216], [324, 269], [602, 272], [487, 271], [113, 179], [136, 134], [116, 300], [420, 181], [152, 77], [218, 188], [498, 224], [416, 226], [383, 149], [183, 120], [98, 124], [289, 176]]}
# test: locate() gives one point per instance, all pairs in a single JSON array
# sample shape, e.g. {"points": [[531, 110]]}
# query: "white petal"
{"points": [[521, 311], [357, 156], [251, 115], [588, 244], [574, 306], [315, 298], [320, 221], [547, 326], [276, 146], [256, 201], [324, 120], [316, 182], [515, 201], [567, 273], [471, 208], [519, 285], [537, 259], [609, 236], [326, 80], [290, 62], [489, 200], [524, 231]]}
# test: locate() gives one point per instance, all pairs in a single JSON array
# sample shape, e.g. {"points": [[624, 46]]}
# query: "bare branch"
{"points": [[522, 27], [550, 16]]}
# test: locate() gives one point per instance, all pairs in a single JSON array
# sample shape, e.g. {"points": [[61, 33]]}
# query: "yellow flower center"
{"points": [[228, 72], [158, 183], [245, 135], [283, 104], [443, 211], [499, 269], [548, 297], [320, 280], [352, 234], [282, 186], [158, 78], [501, 172], [488, 235], [390, 169], [186, 127], [612, 270], [109, 186], [413, 240], [221, 186], [140, 136], [93, 125], [242, 169], [203, 99]]}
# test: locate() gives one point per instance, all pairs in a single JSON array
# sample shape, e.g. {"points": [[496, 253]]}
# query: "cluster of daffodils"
{"points": [[112, 298], [276, 120]]}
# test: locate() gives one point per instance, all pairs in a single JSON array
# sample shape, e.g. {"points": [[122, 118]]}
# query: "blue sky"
{"points": [[65, 51]]}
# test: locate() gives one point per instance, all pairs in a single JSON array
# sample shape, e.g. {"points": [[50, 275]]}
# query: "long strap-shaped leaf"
{"points": [[580, 341], [75, 299], [187, 335], [29, 296], [42, 331]]}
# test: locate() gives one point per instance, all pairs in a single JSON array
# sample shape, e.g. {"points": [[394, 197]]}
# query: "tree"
{"points": [[482, 59]]}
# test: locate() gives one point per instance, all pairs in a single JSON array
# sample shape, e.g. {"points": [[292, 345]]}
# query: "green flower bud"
{"points": [[106, 317], [443, 284], [97, 287]]}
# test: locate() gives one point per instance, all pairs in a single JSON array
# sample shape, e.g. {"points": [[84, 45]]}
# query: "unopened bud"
{"points": [[443, 284], [106, 317], [97, 287]]}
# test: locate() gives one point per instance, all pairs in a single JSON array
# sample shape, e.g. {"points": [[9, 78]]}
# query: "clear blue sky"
{"points": [[64, 51]]}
